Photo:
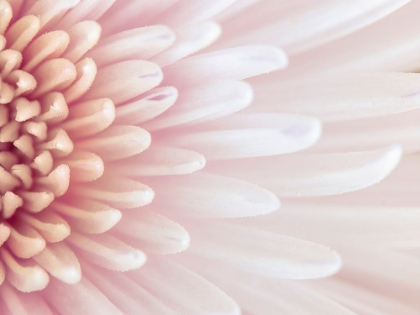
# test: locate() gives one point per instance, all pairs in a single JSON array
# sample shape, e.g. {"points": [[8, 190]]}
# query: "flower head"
{"points": [[108, 112]]}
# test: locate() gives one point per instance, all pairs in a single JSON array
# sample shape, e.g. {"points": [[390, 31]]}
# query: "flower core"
{"points": [[44, 123]]}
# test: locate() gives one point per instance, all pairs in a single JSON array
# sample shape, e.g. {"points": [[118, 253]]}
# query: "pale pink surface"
{"points": [[176, 114]]}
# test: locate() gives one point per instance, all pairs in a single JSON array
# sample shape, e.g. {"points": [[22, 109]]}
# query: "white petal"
{"points": [[315, 174], [24, 241], [182, 290], [117, 142], [371, 133], [341, 96], [46, 10], [235, 63], [139, 43], [186, 12], [159, 161], [261, 295], [25, 275], [115, 191], [299, 26], [147, 106], [125, 294], [250, 135], [89, 118], [363, 300], [236, 8], [84, 166], [203, 103], [390, 44], [384, 264], [83, 36], [399, 191], [152, 232], [211, 196], [87, 216], [83, 298], [134, 13], [261, 252], [189, 40], [125, 80], [60, 261], [348, 224], [23, 304], [106, 251], [52, 227], [84, 11]]}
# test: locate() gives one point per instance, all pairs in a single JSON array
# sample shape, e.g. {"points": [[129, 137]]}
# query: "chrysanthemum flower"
{"points": [[106, 119]]}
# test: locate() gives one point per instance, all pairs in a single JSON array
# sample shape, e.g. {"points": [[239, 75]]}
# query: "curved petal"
{"points": [[211, 196], [80, 298], [315, 174], [183, 290], [249, 135], [261, 252]]}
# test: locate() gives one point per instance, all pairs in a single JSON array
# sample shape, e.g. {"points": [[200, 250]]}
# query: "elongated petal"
{"points": [[372, 133], [382, 265], [84, 166], [148, 106], [130, 297], [134, 14], [48, 9], [125, 80], [25, 276], [342, 97], [207, 195], [188, 41], [85, 10], [186, 12], [60, 261], [260, 294], [139, 43], [49, 45], [250, 135], [80, 298], [25, 242], [363, 225], [107, 252], [89, 118], [159, 161], [86, 72], [116, 192], [23, 304], [385, 48], [118, 142], [54, 75], [50, 226], [182, 290], [152, 232], [203, 103], [20, 34], [235, 63], [261, 252], [6, 15], [366, 301], [316, 174], [236, 8], [300, 26], [89, 217], [83, 36]]}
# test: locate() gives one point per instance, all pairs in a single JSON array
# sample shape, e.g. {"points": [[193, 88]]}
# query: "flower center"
{"points": [[45, 126], [32, 145]]}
